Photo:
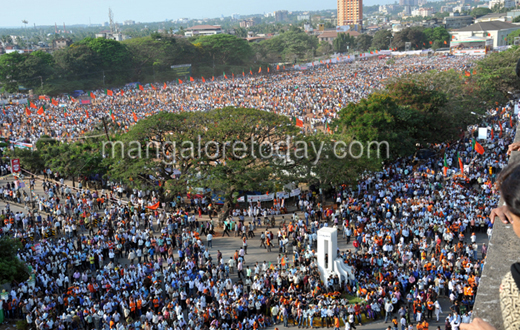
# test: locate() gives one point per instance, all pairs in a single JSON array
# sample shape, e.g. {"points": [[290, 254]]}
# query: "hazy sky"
{"points": [[78, 12]]}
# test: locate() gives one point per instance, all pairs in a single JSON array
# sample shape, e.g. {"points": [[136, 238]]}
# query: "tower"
{"points": [[350, 12]]}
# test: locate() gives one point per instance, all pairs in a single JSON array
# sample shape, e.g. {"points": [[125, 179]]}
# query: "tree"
{"points": [[382, 39], [10, 71], [496, 73], [413, 35], [477, 12], [516, 20], [379, 118], [324, 48], [364, 42], [438, 34], [11, 267], [343, 42], [224, 49]]}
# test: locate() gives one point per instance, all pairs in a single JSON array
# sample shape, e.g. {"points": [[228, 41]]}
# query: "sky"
{"points": [[79, 12]]}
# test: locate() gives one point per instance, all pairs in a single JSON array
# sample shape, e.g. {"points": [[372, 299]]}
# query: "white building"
{"points": [[204, 30], [303, 17], [423, 12], [502, 3], [496, 30], [117, 36], [128, 22]]}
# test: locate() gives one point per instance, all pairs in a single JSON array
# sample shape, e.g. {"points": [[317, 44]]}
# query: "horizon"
{"points": [[96, 12]]}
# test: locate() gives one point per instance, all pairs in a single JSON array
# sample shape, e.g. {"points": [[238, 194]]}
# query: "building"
{"points": [[247, 23], [117, 36], [446, 9], [408, 2], [461, 8], [455, 21], [128, 22], [423, 12], [303, 17], [502, 3], [281, 15], [330, 35], [350, 12], [495, 30], [236, 16], [61, 43], [203, 30], [502, 17]]}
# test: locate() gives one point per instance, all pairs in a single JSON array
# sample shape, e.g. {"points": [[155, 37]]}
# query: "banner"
{"points": [[282, 194], [295, 192], [482, 133], [260, 198], [154, 207], [15, 165], [241, 199]]}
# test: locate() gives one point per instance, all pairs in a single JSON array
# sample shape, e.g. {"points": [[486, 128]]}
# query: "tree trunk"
{"points": [[226, 209]]}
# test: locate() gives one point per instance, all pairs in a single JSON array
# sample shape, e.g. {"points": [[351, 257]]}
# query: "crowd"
{"points": [[314, 96], [102, 263]]}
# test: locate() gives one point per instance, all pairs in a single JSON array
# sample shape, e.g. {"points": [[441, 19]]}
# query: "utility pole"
{"points": [[41, 80], [105, 127], [103, 77]]}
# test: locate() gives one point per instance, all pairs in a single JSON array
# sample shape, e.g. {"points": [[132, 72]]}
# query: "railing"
{"points": [[503, 250]]}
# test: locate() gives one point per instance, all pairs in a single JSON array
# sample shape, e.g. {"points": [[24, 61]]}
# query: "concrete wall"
{"points": [[503, 250]]}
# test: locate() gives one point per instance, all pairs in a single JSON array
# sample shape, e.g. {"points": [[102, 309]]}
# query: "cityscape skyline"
{"points": [[95, 12]]}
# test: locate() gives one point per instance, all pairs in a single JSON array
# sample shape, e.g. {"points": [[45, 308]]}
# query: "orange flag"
{"points": [[164, 86], [27, 111], [283, 261], [203, 80], [86, 113], [259, 69], [191, 79], [154, 207], [135, 116], [267, 69], [153, 87], [40, 111], [277, 67]]}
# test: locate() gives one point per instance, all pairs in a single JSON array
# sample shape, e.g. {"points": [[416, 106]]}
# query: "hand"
{"points": [[513, 147], [477, 324], [502, 212]]}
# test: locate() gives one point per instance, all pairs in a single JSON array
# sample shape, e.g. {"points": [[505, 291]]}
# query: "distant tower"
{"points": [[64, 29], [55, 28], [111, 20]]}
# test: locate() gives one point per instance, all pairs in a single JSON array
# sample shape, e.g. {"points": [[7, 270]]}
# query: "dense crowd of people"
{"points": [[100, 262], [314, 96]]}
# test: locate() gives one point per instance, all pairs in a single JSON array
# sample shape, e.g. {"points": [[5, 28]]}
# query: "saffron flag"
{"points": [[445, 42], [32, 105], [164, 86], [355, 75], [467, 74], [282, 262], [109, 92], [243, 73], [277, 67], [54, 102], [213, 78], [141, 87], [3, 110], [92, 95], [41, 111], [460, 164], [112, 115], [180, 81], [153, 87], [500, 125], [250, 71], [154, 207], [203, 80], [479, 148], [27, 111], [191, 79], [297, 122], [259, 69], [267, 69], [86, 113], [224, 74], [135, 116]]}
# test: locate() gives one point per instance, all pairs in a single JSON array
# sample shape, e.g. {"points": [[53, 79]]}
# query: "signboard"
{"points": [[260, 198], [282, 194], [241, 199], [482, 133], [295, 192], [516, 108], [15, 165], [182, 70]]}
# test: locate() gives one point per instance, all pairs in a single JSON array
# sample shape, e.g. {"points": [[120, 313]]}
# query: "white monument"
{"points": [[328, 261]]}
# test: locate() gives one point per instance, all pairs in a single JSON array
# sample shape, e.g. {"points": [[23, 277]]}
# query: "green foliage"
{"points": [[477, 12], [414, 35], [29, 160], [437, 36], [496, 74], [223, 49], [364, 42], [344, 42], [11, 268], [289, 46], [516, 20], [382, 39]]}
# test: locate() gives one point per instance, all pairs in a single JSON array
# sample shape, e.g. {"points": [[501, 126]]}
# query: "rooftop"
{"points": [[334, 34], [204, 27], [489, 26]]}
